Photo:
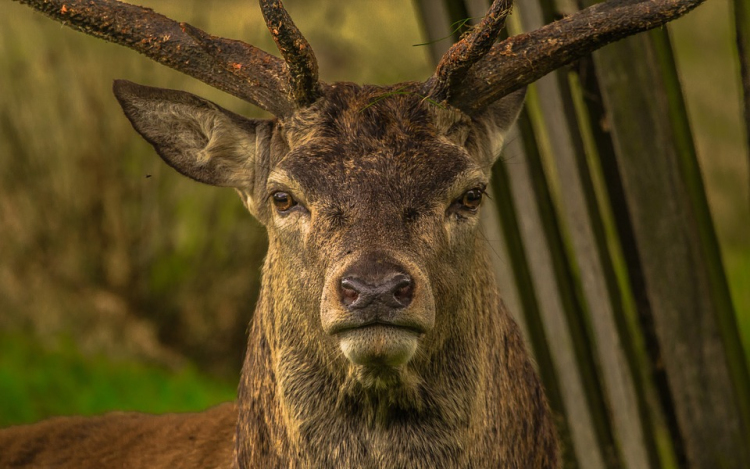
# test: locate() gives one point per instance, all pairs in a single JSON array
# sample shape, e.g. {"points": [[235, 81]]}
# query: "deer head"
{"points": [[370, 195], [366, 194]]}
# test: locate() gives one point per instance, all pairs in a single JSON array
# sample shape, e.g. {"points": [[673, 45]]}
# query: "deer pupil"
{"points": [[283, 201], [472, 199]]}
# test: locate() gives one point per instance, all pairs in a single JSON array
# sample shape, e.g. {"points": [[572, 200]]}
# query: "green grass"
{"points": [[37, 382]]}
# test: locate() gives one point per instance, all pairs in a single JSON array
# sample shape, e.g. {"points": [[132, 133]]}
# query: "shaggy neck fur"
{"points": [[474, 402]]}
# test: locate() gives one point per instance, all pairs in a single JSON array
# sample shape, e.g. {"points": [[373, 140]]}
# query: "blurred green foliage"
{"points": [[40, 381]]}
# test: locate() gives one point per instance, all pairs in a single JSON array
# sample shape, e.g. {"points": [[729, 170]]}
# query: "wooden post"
{"points": [[683, 298]]}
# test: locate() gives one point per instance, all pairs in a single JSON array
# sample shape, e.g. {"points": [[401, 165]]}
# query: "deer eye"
{"points": [[472, 199], [283, 201]]}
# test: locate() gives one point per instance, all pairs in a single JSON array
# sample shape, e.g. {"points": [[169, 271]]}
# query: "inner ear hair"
{"points": [[494, 123], [196, 137]]}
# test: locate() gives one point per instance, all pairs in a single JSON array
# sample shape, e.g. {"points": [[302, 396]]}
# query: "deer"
{"points": [[380, 339]]}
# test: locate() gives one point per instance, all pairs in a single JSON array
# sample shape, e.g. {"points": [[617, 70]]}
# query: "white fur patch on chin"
{"points": [[378, 345]]}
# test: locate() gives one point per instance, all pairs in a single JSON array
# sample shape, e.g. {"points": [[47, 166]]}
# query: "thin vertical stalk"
{"points": [[742, 35]]}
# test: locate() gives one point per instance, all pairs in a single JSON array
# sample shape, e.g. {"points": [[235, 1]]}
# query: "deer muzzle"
{"points": [[378, 309]]}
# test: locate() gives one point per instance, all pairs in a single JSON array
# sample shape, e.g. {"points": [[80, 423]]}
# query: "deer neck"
{"points": [[296, 410]]}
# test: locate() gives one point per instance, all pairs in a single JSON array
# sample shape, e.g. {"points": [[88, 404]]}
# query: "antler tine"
{"points": [[299, 56], [523, 59], [232, 66], [455, 64]]}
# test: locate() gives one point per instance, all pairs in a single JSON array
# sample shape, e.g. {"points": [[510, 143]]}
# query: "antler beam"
{"points": [[523, 59], [232, 66]]}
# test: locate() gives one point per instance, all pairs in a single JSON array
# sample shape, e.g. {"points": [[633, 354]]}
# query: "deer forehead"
{"points": [[366, 141], [369, 114]]}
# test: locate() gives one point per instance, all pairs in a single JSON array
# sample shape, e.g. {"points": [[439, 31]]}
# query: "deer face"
{"points": [[371, 200]]}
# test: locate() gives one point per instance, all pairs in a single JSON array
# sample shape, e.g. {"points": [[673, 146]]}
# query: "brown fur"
{"points": [[377, 175], [123, 440]]}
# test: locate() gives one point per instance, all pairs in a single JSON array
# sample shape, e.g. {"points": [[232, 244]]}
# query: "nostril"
{"points": [[393, 292], [349, 292], [403, 290]]}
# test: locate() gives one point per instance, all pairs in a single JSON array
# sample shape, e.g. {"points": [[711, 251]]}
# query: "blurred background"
{"points": [[125, 286]]}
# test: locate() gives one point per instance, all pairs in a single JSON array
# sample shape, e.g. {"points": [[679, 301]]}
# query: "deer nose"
{"points": [[392, 291]]}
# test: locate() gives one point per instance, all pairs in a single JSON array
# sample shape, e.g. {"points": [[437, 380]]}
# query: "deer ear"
{"points": [[194, 136], [496, 121]]}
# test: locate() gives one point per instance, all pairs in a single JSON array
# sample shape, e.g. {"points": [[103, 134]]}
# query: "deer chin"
{"points": [[379, 345]]}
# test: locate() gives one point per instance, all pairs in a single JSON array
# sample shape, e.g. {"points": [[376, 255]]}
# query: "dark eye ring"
{"points": [[472, 199], [283, 201]]}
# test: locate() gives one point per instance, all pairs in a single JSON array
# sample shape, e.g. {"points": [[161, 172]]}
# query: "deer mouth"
{"points": [[379, 343], [383, 338], [410, 326]]}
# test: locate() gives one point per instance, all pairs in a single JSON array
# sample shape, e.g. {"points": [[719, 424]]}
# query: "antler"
{"points": [[522, 59], [299, 56], [455, 64], [229, 65], [470, 76]]}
